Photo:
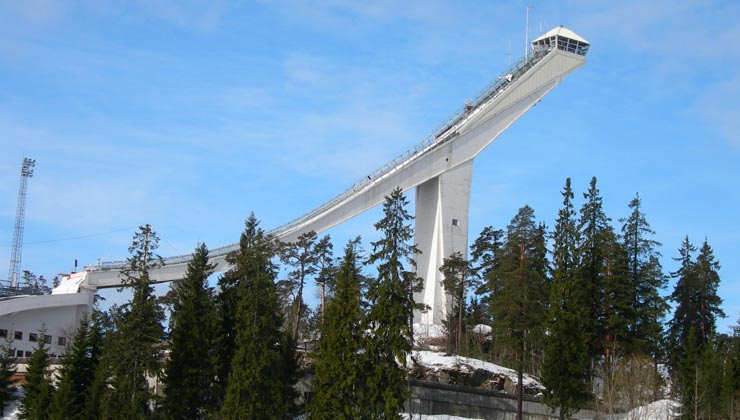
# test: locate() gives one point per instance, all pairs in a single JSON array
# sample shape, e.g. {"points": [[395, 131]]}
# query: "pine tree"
{"points": [[139, 333], [77, 372], [38, 392], [485, 260], [190, 370], [301, 255], [520, 307], [263, 370], [693, 327], [645, 278], [324, 249], [598, 259], [392, 306], [571, 331], [616, 306], [225, 345], [685, 315], [7, 370], [731, 375], [340, 373], [455, 282]]}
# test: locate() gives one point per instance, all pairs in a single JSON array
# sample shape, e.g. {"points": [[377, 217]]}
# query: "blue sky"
{"points": [[190, 114]]}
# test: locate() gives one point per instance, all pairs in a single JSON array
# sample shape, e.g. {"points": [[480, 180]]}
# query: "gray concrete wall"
{"points": [[436, 398]]}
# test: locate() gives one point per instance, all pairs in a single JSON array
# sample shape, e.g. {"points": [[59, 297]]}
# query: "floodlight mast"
{"points": [[20, 215]]}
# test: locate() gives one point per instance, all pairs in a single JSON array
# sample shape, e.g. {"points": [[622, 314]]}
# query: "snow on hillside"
{"points": [[658, 410], [437, 361], [11, 411]]}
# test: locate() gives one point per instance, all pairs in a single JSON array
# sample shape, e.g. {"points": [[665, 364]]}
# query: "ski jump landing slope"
{"points": [[440, 168]]}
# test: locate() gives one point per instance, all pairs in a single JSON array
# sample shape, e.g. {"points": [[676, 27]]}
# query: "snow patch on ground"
{"points": [[434, 360], [658, 410], [11, 410], [482, 329]]}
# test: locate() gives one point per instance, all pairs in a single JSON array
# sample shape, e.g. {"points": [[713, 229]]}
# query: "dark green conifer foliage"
{"points": [[190, 371], [263, 372], [7, 370], [520, 307], [485, 260], [616, 306], [455, 283], [38, 392], [340, 373], [392, 306], [595, 254], [645, 277], [225, 347], [324, 255], [567, 358], [731, 371], [301, 255], [692, 330], [77, 372], [139, 333], [97, 391]]}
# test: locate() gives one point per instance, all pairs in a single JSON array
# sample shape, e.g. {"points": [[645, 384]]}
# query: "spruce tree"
{"points": [[301, 255], [324, 255], [616, 306], [340, 373], [645, 277], [190, 371], [693, 327], [225, 344], [392, 309], [455, 282], [77, 372], [485, 260], [596, 256], [7, 370], [567, 358], [139, 333], [38, 392], [263, 370], [520, 308]]}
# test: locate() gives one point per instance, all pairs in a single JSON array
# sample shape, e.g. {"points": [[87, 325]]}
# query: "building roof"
{"points": [[563, 32]]}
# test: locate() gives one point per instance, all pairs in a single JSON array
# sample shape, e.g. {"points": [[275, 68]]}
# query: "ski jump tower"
{"points": [[440, 168]]}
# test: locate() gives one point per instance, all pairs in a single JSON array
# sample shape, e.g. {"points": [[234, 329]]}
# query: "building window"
{"points": [[62, 341], [47, 339], [18, 335], [3, 333], [29, 354], [455, 222], [19, 353], [33, 337]]}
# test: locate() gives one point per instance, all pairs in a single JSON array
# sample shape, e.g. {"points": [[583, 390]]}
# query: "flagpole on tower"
{"points": [[526, 34]]}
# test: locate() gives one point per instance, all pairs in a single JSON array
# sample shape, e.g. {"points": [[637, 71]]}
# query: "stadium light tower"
{"points": [[20, 215]]}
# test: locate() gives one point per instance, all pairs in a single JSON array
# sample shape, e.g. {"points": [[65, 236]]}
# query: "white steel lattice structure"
{"points": [[20, 216], [439, 168]]}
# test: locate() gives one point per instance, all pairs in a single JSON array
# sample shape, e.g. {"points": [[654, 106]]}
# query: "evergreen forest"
{"points": [[583, 305]]}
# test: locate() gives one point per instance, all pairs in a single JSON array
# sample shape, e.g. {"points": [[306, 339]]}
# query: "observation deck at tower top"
{"points": [[471, 115]]}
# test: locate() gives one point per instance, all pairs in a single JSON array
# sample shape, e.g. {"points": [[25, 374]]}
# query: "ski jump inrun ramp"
{"points": [[440, 168]]}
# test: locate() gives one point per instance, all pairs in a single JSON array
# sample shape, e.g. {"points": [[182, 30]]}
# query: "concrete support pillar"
{"points": [[442, 205]]}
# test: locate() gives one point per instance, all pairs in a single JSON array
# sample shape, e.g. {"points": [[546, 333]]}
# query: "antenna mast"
{"points": [[20, 215]]}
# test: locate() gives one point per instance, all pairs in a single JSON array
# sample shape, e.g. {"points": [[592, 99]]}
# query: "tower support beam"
{"points": [[442, 206]]}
